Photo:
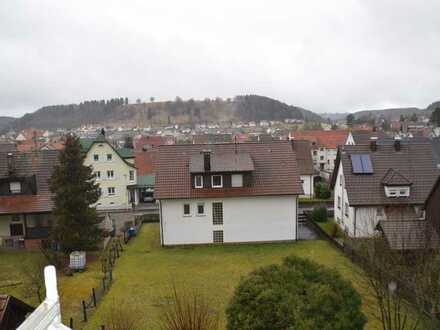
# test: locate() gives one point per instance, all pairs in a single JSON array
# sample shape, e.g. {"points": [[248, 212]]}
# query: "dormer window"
{"points": [[237, 180], [15, 187], [394, 192], [217, 181], [198, 181]]}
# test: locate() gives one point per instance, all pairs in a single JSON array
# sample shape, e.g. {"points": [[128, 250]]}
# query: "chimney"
{"points": [[11, 163], [207, 160], [373, 143], [397, 143]]}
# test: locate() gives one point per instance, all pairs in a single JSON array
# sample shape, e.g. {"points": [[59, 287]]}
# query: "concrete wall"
{"points": [[121, 176], [245, 219]]}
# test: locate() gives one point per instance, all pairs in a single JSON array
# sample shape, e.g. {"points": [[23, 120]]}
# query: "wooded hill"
{"points": [[5, 122], [117, 112]]}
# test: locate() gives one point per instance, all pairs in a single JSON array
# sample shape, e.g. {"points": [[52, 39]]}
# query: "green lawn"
{"points": [[329, 227], [147, 271], [72, 289]]}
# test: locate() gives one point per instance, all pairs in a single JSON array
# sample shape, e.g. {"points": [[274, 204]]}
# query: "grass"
{"points": [[72, 289], [146, 272]]}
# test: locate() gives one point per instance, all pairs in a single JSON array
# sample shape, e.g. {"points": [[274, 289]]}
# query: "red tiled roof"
{"points": [[276, 171], [144, 162], [151, 141], [328, 139]]}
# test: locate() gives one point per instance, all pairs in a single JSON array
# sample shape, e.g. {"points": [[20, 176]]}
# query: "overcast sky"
{"points": [[326, 56]]}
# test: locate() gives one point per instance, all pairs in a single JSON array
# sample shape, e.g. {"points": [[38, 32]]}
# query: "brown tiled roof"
{"points": [[394, 178], [144, 162], [364, 136], [223, 162], [410, 234], [276, 171], [304, 159], [328, 139], [41, 165], [414, 161]]}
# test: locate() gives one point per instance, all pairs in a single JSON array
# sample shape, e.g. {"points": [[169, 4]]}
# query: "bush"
{"points": [[319, 214], [296, 295], [322, 191]]}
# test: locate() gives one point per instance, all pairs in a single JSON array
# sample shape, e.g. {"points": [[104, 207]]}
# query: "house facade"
{"points": [[376, 183], [25, 200], [227, 193], [115, 173], [303, 153]]}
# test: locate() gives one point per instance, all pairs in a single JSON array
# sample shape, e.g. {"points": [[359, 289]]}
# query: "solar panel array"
{"points": [[361, 164]]}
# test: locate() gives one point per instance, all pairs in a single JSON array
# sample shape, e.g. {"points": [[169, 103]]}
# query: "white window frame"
{"points": [[15, 187], [195, 181], [113, 174], [109, 193], [237, 176], [111, 157], [98, 175], [397, 191], [221, 181], [187, 214], [95, 157], [131, 175], [204, 210]]}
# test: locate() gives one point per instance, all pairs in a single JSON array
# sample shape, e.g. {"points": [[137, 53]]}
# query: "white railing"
{"points": [[47, 316]]}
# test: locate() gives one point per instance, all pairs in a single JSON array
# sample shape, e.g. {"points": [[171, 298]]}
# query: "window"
{"points": [[217, 236], [95, 157], [379, 212], [110, 174], [98, 175], [217, 181], [321, 157], [15, 187], [397, 191], [15, 217], [131, 174], [328, 161], [346, 209], [109, 157], [111, 191], [339, 202], [237, 180], [200, 209], [315, 152], [321, 149], [321, 166], [340, 179], [100, 191], [302, 181], [198, 181], [16, 229], [217, 213], [186, 210]]}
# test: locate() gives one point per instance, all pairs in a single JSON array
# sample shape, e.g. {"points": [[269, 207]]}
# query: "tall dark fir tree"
{"points": [[75, 190]]}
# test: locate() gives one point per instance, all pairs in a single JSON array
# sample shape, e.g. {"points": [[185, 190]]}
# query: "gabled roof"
{"points": [[222, 162], [38, 163], [302, 149], [276, 171], [12, 311], [410, 234], [394, 178], [414, 162], [364, 136], [328, 139]]}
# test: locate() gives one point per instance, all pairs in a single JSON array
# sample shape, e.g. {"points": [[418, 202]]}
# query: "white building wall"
{"points": [[307, 184], [324, 156], [245, 219]]}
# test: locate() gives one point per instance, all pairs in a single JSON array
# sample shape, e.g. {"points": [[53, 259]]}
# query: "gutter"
{"points": [[160, 221]]}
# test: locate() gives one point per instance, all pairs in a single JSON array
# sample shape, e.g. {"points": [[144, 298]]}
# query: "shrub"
{"points": [[322, 191], [296, 295], [188, 310], [319, 214]]}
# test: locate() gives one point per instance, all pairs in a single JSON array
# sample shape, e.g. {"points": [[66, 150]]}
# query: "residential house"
{"points": [[115, 172], [380, 183], [324, 147], [227, 193], [12, 312], [25, 199], [302, 149], [364, 137]]}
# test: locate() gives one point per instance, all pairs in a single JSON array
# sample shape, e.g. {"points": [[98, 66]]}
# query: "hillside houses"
{"points": [[381, 182], [225, 193]]}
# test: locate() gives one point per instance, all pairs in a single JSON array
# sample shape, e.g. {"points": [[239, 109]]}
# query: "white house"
{"points": [[303, 153], [227, 193], [114, 171], [378, 182]]}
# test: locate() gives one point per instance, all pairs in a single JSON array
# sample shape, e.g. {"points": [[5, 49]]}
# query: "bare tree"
{"points": [[32, 271]]}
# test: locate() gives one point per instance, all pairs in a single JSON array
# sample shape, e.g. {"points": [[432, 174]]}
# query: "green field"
{"points": [[146, 272]]}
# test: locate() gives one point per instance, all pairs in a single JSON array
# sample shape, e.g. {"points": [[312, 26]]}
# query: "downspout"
{"points": [[161, 224]]}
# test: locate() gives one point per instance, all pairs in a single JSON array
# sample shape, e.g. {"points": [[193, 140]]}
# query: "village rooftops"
{"points": [[273, 167], [302, 149], [320, 138], [397, 164]]}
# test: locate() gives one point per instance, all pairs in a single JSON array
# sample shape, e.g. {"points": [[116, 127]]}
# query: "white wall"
{"points": [[307, 184], [245, 219], [324, 156]]}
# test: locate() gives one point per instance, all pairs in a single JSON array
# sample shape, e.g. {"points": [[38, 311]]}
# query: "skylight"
{"points": [[361, 164]]}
